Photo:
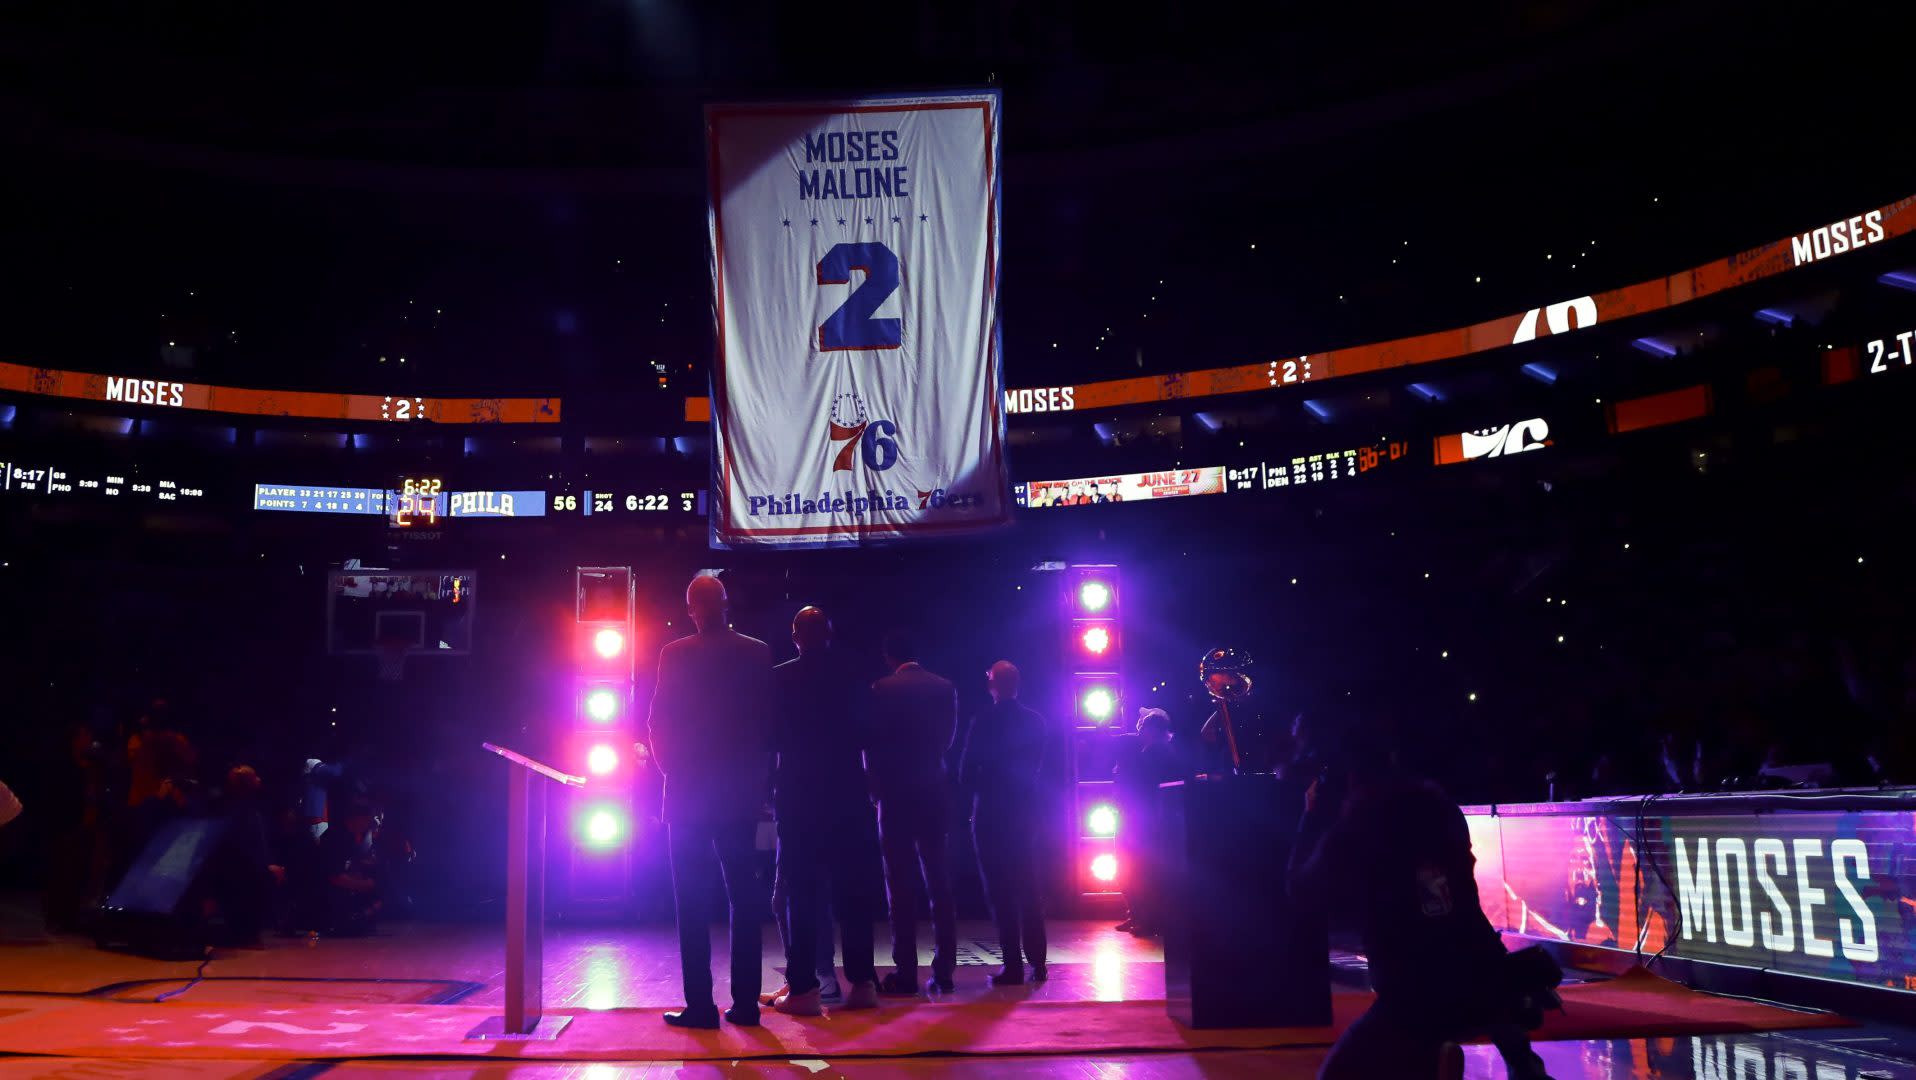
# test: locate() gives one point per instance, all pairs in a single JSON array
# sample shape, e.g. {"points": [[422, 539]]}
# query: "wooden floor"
{"points": [[590, 968], [603, 967]]}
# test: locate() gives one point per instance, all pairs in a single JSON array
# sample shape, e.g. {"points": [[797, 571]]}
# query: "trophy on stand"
{"points": [[1226, 674]]}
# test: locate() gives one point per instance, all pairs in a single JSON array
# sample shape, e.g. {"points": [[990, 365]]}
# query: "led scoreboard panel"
{"points": [[1878, 356], [34, 478], [417, 502], [424, 505], [589, 502], [426, 501], [1316, 468], [1297, 471], [164, 393]]}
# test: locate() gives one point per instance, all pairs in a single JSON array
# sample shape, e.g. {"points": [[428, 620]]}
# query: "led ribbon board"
{"points": [[1813, 245], [303, 404], [1121, 487], [1779, 256]]}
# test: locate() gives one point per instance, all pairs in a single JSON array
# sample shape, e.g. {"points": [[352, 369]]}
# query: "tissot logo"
{"points": [[1042, 399], [146, 392], [1827, 240]]}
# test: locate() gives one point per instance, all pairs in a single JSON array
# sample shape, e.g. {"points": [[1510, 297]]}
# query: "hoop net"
{"points": [[391, 655]]}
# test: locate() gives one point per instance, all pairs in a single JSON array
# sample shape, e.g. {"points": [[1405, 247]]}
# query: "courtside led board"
{"points": [[857, 391]]}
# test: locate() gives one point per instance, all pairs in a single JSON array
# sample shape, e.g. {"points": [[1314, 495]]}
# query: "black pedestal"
{"points": [[1237, 952]]}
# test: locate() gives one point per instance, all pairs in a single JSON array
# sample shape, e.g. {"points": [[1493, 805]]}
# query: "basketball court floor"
{"points": [[398, 1004]]}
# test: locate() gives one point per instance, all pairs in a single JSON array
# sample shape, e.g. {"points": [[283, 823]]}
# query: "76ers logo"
{"points": [[851, 425]]}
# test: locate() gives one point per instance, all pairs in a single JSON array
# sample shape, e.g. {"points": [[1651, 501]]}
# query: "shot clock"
{"points": [[590, 502], [417, 502]]}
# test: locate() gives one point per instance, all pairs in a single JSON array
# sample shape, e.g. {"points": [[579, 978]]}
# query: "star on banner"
{"points": [[868, 221], [814, 223], [924, 217], [788, 223], [841, 221], [894, 219]]}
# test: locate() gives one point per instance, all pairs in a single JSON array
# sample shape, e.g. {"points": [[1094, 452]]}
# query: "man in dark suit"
{"points": [[915, 716], [1393, 853], [1004, 756], [826, 834], [711, 739]]}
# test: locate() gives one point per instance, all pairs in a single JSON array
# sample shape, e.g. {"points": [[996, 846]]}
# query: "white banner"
{"points": [[857, 394]]}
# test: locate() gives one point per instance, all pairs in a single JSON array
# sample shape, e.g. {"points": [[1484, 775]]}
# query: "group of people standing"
{"points": [[860, 776]]}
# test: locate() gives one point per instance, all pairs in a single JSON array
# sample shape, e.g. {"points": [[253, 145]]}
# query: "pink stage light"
{"points": [[1096, 640], [601, 759], [608, 643], [1105, 867], [602, 705], [1103, 820], [603, 828], [1094, 595]]}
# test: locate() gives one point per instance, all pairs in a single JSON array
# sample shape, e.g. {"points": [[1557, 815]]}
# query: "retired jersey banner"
{"points": [[857, 394]]}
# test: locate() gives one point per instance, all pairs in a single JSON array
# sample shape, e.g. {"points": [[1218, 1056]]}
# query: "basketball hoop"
{"points": [[391, 653]]}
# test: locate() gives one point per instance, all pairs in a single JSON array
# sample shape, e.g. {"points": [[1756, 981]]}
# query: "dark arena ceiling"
{"points": [[513, 201]]}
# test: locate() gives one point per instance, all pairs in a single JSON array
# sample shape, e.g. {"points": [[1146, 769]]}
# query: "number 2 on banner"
{"points": [[852, 327]]}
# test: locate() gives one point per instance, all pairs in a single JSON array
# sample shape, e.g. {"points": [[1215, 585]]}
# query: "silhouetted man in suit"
{"points": [[711, 739], [915, 716], [825, 829], [1394, 853], [1004, 754]]}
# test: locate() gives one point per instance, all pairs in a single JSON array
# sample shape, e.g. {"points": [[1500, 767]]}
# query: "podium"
{"points": [[1237, 951], [525, 1018]]}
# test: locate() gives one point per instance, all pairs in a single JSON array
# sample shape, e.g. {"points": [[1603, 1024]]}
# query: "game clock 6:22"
{"points": [[417, 502], [589, 502]]}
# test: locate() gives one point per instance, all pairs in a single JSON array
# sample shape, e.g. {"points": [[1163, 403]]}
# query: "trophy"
{"points": [[1226, 675]]}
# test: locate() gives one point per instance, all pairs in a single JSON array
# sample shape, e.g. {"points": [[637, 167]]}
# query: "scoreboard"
{"points": [[427, 501], [1246, 477], [38, 478], [589, 502]]}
